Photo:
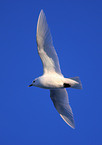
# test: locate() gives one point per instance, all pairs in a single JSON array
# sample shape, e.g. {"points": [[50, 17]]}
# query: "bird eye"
{"points": [[33, 81]]}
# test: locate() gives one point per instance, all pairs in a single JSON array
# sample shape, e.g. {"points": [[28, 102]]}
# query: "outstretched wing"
{"points": [[46, 49], [61, 103]]}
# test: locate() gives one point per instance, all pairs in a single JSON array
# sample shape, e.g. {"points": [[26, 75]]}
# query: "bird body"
{"points": [[49, 81], [52, 77], [55, 81]]}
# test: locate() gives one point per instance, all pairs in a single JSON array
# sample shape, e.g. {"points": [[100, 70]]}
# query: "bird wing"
{"points": [[61, 103], [46, 49]]}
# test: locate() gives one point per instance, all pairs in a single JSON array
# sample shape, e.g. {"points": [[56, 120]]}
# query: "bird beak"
{"points": [[30, 85]]}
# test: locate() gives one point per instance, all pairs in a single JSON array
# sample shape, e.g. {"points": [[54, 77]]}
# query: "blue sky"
{"points": [[27, 115]]}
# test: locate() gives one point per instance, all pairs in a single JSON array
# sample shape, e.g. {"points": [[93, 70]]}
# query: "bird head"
{"points": [[33, 83]]}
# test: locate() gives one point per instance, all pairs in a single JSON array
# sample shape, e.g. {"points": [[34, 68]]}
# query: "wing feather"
{"points": [[46, 49], [61, 103]]}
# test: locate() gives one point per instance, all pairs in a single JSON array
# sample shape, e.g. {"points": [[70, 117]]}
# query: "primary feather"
{"points": [[46, 49], [61, 103]]}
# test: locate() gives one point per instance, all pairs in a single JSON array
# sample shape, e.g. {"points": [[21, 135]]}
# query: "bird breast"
{"points": [[50, 82]]}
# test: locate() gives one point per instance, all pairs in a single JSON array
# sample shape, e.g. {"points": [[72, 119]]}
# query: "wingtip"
{"points": [[71, 124], [41, 15], [41, 12]]}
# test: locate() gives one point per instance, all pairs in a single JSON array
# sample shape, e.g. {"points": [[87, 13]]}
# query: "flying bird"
{"points": [[52, 77]]}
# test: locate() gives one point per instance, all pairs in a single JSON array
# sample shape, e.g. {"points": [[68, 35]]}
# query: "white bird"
{"points": [[52, 77]]}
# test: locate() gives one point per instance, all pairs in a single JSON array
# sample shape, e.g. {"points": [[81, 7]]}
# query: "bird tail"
{"points": [[77, 85], [73, 82]]}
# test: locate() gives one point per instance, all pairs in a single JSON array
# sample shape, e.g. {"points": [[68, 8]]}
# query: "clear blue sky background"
{"points": [[27, 115]]}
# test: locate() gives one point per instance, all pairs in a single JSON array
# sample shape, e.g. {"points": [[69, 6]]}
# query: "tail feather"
{"points": [[78, 85]]}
